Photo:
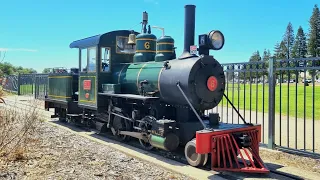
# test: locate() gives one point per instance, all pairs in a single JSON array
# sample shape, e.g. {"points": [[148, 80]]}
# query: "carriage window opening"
{"points": [[105, 59], [84, 60], [92, 60], [123, 46]]}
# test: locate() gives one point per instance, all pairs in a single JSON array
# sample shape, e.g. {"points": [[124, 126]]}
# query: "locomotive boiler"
{"points": [[134, 85]]}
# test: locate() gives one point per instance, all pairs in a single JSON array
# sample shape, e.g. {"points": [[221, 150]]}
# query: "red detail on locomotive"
{"points": [[224, 149], [87, 95], [86, 84], [212, 83]]}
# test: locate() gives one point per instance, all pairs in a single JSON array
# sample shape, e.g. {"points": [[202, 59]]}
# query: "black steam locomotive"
{"points": [[134, 85]]}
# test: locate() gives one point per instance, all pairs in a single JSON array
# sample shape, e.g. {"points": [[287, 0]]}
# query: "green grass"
{"points": [[257, 103], [29, 89]]}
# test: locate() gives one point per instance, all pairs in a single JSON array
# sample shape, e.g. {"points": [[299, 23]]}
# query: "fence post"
{"points": [[35, 86], [271, 113], [19, 83]]}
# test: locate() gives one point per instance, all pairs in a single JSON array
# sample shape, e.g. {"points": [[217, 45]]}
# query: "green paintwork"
{"points": [[145, 48], [129, 76], [165, 48], [92, 92], [158, 142], [111, 88], [60, 87]]}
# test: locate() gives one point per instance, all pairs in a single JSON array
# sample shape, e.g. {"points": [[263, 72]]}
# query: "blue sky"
{"points": [[37, 33]]}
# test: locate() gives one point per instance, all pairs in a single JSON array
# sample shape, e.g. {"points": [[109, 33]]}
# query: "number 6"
{"points": [[147, 45]]}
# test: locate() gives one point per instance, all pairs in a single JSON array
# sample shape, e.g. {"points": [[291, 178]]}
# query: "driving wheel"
{"points": [[145, 125], [121, 124]]}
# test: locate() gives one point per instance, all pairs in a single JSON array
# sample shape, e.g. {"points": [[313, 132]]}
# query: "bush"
{"points": [[1, 95], [17, 126]]}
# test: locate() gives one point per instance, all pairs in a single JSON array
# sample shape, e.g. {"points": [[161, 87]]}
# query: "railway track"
{"points": [[177, 156]]}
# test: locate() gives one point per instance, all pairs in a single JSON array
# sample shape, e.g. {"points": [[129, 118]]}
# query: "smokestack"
{"points": [[189, 29]]}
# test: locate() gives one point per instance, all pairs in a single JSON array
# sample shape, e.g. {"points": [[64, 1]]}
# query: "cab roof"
{"points": [[97, 39]]}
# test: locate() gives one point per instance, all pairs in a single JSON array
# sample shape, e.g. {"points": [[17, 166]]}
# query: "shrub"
{"points": [[17, 125], [1, 95]]}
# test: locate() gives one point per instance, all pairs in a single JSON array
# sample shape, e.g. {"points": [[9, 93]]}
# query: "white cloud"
{"points": [[151, 1], [18, 49]]}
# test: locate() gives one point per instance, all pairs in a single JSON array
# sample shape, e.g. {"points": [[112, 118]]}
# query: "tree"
{"points": [[280, 50], [314, 33], [283, 50], [8, 69], [255, 57], [46, 70], [277, 50], [2, 56], [288, 39], [300, 48], [266, 55]]}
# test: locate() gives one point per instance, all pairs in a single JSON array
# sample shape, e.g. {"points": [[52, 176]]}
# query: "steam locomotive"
{"points": [[134, 85]]}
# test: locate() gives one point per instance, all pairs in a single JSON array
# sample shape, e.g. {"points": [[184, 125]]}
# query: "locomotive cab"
{"points": [[98, 57]]}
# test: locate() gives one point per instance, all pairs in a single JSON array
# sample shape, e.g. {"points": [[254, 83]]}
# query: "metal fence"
{"points": [[27, 84], [10, 83], [284, 99]]}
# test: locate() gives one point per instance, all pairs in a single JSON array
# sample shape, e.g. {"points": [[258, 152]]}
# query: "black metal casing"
{"points": [[192, 74]]}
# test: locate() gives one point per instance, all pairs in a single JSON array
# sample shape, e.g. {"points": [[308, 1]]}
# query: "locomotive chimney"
{"points": [[189, 29]]}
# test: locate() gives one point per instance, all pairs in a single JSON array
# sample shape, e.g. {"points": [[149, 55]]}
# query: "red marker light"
{"points": [[212, 83]]}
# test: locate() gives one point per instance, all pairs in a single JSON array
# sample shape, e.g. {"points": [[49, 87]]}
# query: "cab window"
{"points": [[123, 47], [84, 60], [92, 59], [105, 59]]}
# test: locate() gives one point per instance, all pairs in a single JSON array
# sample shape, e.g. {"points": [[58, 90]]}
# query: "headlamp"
{"points": [[216, 40]]}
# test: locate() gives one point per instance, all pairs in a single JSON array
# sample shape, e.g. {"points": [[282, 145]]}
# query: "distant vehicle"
{"points": [[306, 81]]}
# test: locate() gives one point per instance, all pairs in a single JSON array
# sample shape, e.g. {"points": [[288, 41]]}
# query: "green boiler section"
{"points": [[133, 76]]}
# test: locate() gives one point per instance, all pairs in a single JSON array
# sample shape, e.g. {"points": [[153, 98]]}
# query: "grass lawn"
{"points": [[257, 96], [26, 89]]}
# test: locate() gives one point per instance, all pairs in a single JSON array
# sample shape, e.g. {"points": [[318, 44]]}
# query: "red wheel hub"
{"points": [[212, 83]]}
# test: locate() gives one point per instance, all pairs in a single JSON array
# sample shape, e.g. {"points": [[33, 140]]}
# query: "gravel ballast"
{"points": [[55, 153]]}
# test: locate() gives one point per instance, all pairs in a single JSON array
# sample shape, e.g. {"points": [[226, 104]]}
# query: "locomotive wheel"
{"points": [[145, 125], [193, 158], [62, 114], [121, 124]]}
